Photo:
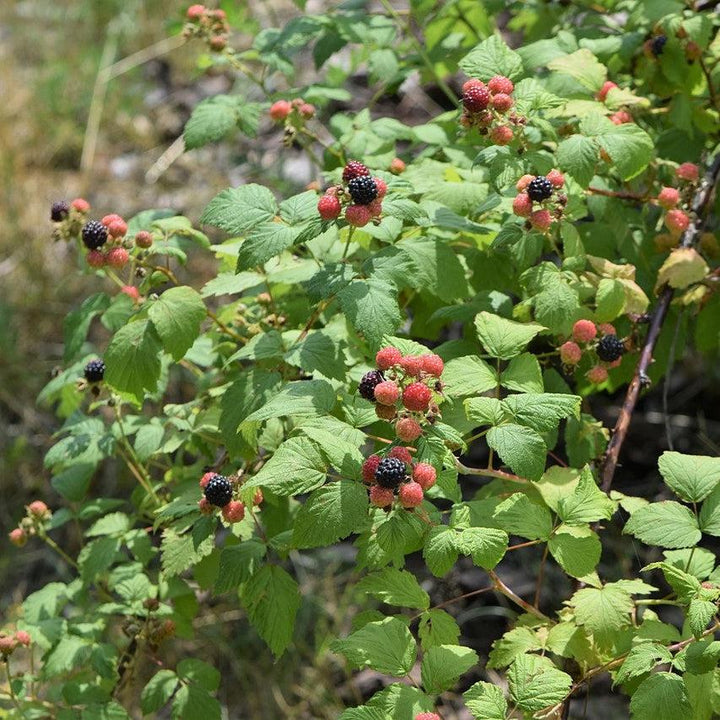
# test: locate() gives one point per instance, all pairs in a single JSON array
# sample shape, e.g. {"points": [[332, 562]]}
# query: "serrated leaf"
{"points": [[395, 587], [576, 549], [503, 338], [492, 57], [661, 696], [583, 66], [177, 315], [192, 701], [586, 504], [577, 155], [515, 642], [264, 241], [372, 308], [691, 477], [640, 660], [468, 375], [523, 374], [238, 210], [602, 611], [211, 120], [437, 627], [710, 513], [299, 398], [665, 524], [486, 701], [519, 515], [682, 268], [541, 411], [158, 690], [238, 563], [443, 665], [535, 683], [521, 448]]}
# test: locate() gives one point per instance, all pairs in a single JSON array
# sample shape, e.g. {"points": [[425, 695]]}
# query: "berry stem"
{"points": [[224, 327], [347, 242], [503, 589], [53, 545], [488, 472], [11, 692]]}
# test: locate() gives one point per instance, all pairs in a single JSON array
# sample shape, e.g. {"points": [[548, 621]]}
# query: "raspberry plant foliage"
{"points": [[497, 320]]}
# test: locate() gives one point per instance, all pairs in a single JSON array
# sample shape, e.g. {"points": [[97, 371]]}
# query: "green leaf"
{"points": [[610, 299], [192, 701], [640, 660], [702, 656], [395, 587], [710, 514], [576, 549], [535, 683], [211, 120], [443, 665], [77, 323], [583, 66], [486, 546], [691, 477], [517, 641], [264, 241], [271, 599], [468, 375], [577, 155], [521, 448], [437, 268], [386, 646], [440, 552], [363, 712], [519, 515], [484, 410], [556, 307], [661, 696], [298, 398], [238, 563], [436, 627], [199, 672], [317, 352], [133, 359], [541, 411], [70, 652], [486, 701], [401, 702], [97, 556], [522, 374], [699, 614], [74, 482], [371, 306], [665, 524], [179, 551], [238, 210], [685, 586], [630, 148], [492, 57], [504, 338], [602, 611], [331, 513], [177, 315], [586, 504], [158, 691]]}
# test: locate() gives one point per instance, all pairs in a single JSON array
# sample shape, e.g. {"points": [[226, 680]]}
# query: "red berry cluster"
{"points": [[487, 107], [587, 338], [418, 478], [293, 112], [357, 214], [208, 25], [540, 213], [234, 510], [621, 116], [37, 516], [10, 642], [676, 220]]}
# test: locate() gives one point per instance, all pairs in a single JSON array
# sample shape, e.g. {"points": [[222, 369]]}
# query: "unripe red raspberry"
{"points": [[117, 257], [522, 205], [18, 537], [279, 110], [606, 329], [205, 507], [556, 178], [387, 392], [501, 134], [408, 429], [385, 412], [307, 110], [597, 375], [605, 89], [218, 42], [131, 291], [375, 207], [570, 353], [502, 102], [108, 219], [424, 475], [8, 643], [143, 239], [381, 186], [523, 182], [117, 228], [688, 171], [220, 14], [676, 221], [416, 396], [381, 497], [39, 510], [387, 357], [668, 197], [584, 331], [401, 453], [476, 98], [432, 364], [410, 494], [358, 215], [23, 638], [95, 258], [234, 511], [329, 207], [205, 479], [369, 467], [541, 220], [258, 497], [80, 204], [500, 84], [472, 83], [397, 166], [411, 364], [621, 117], [195, 12], [427, 716]]}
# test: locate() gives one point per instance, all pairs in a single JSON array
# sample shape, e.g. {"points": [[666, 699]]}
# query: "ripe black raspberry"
{"points": [[390, 472], [539, 188], [94, 371], [59, 211], [658, 45], [610, 348], [367, 385], [363, 190], [218, 491], [94, 235], [354, 169]]}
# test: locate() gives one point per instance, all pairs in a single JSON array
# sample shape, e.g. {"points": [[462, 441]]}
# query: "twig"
{"points": [[502, 588], [708, 80], [700, 203], [488, 472]]}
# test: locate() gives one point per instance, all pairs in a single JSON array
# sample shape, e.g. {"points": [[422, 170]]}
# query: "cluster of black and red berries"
{"points": [[539, 199], [218, 491], [488, 108], [405, 390], [396, 474], [37, 516], [208, 25], [601, 341], [676, 220], [360, 194]]}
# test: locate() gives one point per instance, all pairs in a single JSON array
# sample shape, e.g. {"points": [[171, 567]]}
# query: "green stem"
{"points": [[52, 544], [13, 696], [347, 242]]}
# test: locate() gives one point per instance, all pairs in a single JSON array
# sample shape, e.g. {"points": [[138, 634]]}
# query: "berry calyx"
{"points": [[218, 491], [279, 110], [368, 383], [329, 207], [522, 205], [358, 215], [688, 171], [501, 134], [424, 475], [408, 429], [410, 494], [539, 188], [381, 497], [94, 371], [387, 393], [608, 85], [387, 357], [234, 511], [432, 364], [94, 235], [610, 348], [500, 84], [369, 467], [412, 365], [390, 472], [354, 169], [541, 220], [59, 211], [95, 259], [117, 257], [668, 197], [676, 221], [476, 98], [570, 353], [597, 375], [584, 331], [556, 178], [401, 453], [416, 397], [363, 190]]}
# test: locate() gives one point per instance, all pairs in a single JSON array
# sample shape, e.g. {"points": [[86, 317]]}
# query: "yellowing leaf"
{"points": [[682, 268]]}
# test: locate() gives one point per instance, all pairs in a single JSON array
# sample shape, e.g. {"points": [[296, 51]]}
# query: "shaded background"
{"points": [[50, 54]]}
